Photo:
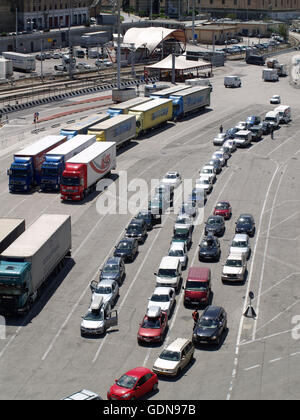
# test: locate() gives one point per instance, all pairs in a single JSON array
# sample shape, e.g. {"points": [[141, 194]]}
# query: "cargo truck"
{"points": [[123, 107], [29, 261], [270, 75], [55, 160], [25, 170], [10, 229], [152, 114], [20, 61], [83, 171], [165, 93], [120, 129], [82, 126], [190, 100]]}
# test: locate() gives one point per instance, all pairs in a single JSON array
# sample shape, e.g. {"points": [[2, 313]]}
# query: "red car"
{"points": [[153, 327], [223, 208], [133, 384]]}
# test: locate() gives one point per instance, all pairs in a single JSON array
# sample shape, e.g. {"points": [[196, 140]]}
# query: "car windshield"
{"points": [[20, 173], [233, 263], [196, 285], [219, 155], [70, 181], [176, 253], [160, 298], [173, 356], [207, 243], [151, 323], [206, 171], [239, 244], [181, 221], [204, 181], [166, 272], [94, 316], [181, 234], [170, 176], [133, 229], [103, 290], [244, 220], [206, 323], [222, 206], [212, 222], [124, 245], [110, 268], [49, 171], [127, 381]]}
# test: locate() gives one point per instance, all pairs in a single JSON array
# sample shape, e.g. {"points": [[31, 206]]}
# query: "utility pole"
{"points": [[16, 30], [173, 65], [193, 24], [42, 76], [119, 48]]}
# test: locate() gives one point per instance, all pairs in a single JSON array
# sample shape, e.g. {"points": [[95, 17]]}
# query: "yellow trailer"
{"points": [[119, 129], [152, 114]]}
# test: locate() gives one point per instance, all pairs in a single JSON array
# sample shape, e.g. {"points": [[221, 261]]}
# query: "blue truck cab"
{"points": [[15, 286], [51, 172], [21, 174], [114, 112], [69, 133]]}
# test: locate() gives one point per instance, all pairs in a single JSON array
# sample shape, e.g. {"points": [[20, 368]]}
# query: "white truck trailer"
{"points": [[20, 61], [10, 230]]}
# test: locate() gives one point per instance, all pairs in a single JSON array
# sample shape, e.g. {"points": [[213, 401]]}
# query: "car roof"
{"points": [[211, 311], [84, 394], [240, 237], [162, 290], [198, 273], [169, 261], [106, 282], [245, 215], [178, 344], [138, 371], [153, 312], [215, 217], [235, 257], [114, 260], [127, 240], [177, 245], [135, 221]]}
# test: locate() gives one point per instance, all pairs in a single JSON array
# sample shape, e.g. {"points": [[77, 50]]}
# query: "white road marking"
{"points": [[252, 367], [278, 315], [282, 221], [244, 343]]}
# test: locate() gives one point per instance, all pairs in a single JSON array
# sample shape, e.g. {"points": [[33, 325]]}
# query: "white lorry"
{"points": [[243, 138], [270, 75], [25, 62], [10, 230], [272, 117], [28, 262], [232, 81], [284, 113]]}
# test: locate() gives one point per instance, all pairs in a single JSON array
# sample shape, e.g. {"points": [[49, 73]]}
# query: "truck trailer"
{"points": [[29, 261], [10, 230], [123, 107], [270, 75], [190, 100], [55, 160], [120, 129], [20, 61], [83, 171], [166, 93], [83, 125], [25, 170], [152, 114]]}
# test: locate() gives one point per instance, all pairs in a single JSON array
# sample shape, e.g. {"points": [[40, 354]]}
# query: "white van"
{"points": [[169, 273], [284, 113], [272, 117], [232, 81], [242, 138]]}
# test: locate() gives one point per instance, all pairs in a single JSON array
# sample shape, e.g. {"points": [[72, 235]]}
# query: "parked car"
{"points": [[164, 298], [148, 217], [208, 171], [252, 120], [216, 163], [83, 395], [108, 289], [197, 289], [231, 132], [240, 245], [182, 234], [158, 204], [209, 249], [98, 318], [257, 132], [234, 268], [275, 99], [215, 225], [266, 127], [211, 326], [133, 385], [172, 178], [245, 224], [219, 155], [190, 208], [60, 67], [127, 248], [230, 144], [205, 184], [241, 125], [113, 269], [184, 220], [179, 250], [137, 228], [219, 139], [153, 327], [223, 208], [174, 358]]}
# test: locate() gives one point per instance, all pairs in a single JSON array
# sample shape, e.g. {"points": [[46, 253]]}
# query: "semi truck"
{"points": [[25, 62], [190, 100], [270, 75], [123, 107], [83, 125], [83, 171], [10, 230], [55, 160], [119, 129], [152, 114], [25, 170], [28, 262], [166, 93]]}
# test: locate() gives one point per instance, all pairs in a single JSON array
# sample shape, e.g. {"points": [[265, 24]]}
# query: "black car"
{"points": [[148, 217], [232, 132], [209, 249], [245, 224], [210, 327], [216, 164], [257, 133], [183, 235], [137, 228], [113, 269], [266, 127], [127, 249], [215, 225]]}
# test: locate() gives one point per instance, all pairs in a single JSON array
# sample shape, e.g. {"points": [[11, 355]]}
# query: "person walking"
{"points": [[195, 316], [221, 128]]}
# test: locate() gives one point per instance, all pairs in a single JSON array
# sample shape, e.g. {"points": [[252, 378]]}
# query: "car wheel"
{"points": [[155, 387], [178, 372]]}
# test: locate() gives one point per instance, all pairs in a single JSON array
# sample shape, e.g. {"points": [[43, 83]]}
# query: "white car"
{"points": [[174, 358], [275, 99], [240, 245], [172, 178], [204, 183], [241, 125], [163, 297], [179, 250], [234, 268], [219, 139], [208, 171], [230, 144], [219, 155], [184, 220]]}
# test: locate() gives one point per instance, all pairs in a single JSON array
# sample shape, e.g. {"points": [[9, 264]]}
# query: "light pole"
{"points": [[119, 48]]}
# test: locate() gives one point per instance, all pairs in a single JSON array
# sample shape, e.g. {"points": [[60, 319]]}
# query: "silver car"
{"points": [[240, 245], [219, 139], [108, 289]]}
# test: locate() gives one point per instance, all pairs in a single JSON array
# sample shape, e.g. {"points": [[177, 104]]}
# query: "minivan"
{"points": [[243, 138], [284, 113], [272, 118], [169, 273], [197, 288], [232, 81]]}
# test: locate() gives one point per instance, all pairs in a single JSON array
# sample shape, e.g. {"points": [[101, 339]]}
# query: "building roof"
{"points": [[151, 37], [181, 63]]}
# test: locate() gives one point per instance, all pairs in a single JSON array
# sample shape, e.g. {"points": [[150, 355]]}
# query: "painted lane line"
{"points": [[244, 343], [275, 360], [282, 221], [252, 367], [278, 315]]}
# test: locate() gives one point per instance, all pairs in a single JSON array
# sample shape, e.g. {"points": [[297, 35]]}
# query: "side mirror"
{"points": [[155, 274]]}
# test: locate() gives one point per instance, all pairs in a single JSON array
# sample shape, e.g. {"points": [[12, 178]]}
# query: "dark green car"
{"points": [[183, 235]]}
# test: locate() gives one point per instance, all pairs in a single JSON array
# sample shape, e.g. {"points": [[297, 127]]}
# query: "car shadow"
{"points": [[212, 347], [182, 373], [236, 283]]}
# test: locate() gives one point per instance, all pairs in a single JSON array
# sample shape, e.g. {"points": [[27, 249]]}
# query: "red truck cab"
{"points": [[198, 286], [73, 183]]}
